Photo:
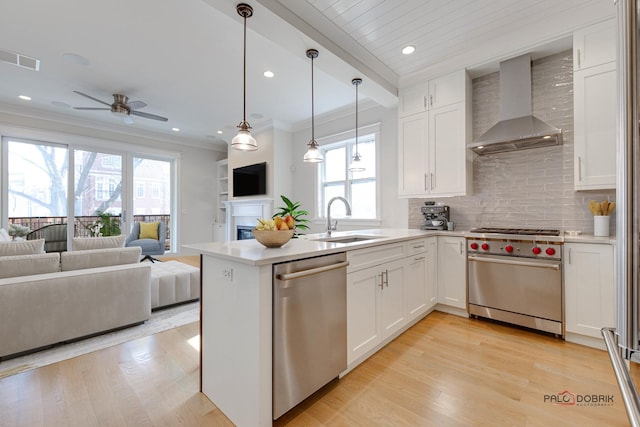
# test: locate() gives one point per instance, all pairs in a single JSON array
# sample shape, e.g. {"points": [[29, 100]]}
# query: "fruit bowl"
{"points": [[273, 239]]}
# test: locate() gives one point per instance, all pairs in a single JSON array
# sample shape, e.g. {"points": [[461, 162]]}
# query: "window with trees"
{"points": [[335, 179]]}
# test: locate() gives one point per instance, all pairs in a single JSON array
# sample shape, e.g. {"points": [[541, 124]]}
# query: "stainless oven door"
{"points": [[530, 287]]}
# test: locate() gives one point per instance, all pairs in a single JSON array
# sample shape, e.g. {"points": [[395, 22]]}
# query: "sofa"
{"points": [[50, 298]]}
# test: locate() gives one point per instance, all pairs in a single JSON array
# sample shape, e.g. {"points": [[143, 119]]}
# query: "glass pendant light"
{"points": [[312, 155], [243, 140], [356, 164]]}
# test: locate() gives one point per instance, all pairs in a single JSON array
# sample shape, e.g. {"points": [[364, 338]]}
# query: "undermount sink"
{"points": [[347, 239]]}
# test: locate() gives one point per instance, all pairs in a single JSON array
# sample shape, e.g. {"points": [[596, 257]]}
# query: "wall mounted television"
{"points": [[250, 180]]}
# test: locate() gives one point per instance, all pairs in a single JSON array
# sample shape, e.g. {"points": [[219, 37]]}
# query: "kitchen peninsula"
{"points": [[237, 315]]}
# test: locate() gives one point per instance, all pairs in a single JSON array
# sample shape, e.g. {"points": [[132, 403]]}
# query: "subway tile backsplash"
{"points": [[529, 188]]}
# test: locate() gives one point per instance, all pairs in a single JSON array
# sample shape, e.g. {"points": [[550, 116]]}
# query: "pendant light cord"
{"points": [[313, 137], [357, 84], [244, 72]]}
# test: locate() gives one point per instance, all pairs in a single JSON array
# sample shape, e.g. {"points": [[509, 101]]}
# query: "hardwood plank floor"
{"points": [[444, 371]]}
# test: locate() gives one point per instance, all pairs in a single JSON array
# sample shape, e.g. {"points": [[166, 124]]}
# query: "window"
{"points": [[140, 190], [111, 162], [359, 188]]}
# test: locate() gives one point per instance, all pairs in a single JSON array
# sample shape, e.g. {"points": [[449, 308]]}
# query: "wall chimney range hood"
{"points": [[518, 128]]}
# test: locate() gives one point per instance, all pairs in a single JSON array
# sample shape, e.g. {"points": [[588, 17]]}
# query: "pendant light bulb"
{"points": [[312, 155], [243, 140], [356, 163]]}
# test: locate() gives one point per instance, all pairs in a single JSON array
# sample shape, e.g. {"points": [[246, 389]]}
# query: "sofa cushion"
{"points": [[24, 247], [86, 243], [149, 230], [91, 258], [25, 265]]}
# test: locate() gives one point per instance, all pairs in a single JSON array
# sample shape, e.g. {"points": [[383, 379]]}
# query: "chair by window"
{"points": [[54, 235], [150, 246]]}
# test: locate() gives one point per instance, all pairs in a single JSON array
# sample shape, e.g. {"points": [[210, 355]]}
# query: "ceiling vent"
{"points": [[20, 60]]}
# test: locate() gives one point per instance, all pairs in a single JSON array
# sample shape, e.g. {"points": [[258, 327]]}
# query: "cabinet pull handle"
{"points": [[431, 100], [381, 280], [579, 59], [432, 187], [460, 248], [569, 256], [418, 246], [420, 258], [425, 182], [579, 168], [386, 277], [424, 101]]}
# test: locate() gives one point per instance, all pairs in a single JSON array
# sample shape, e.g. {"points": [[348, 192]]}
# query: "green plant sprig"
{"points": [[294, 210]]}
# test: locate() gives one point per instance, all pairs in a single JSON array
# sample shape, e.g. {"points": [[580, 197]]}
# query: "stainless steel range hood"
{"points": [[518, 128]]}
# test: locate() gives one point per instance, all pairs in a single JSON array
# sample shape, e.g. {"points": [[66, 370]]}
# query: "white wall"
{"points": [[393, 210], [196, 167]]}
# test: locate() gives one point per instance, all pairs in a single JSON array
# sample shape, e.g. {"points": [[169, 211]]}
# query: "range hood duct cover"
{"points": [[518, 128]]}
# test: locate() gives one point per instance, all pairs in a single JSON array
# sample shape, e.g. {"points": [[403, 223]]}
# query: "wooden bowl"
{"points": [[273, 239]]}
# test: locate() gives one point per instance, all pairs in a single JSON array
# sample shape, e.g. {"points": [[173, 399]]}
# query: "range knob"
{"points": [[485, 246], [550, 251], [536, 250], [474, 246], [508, 248]]}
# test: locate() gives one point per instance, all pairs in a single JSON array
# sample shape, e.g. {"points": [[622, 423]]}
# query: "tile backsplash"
{"points": [[529, 188]]}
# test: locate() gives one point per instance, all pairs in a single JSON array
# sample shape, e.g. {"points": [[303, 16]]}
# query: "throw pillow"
{"points": [[149, 230], [4, 236], [26, 265], [85, 243], [24, 247]]}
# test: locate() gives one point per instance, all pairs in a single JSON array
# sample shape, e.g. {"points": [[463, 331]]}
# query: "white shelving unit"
{"points": [[220, 227]]}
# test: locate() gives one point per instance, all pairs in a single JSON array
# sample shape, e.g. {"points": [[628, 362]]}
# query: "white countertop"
{"points": [[253, 253]]}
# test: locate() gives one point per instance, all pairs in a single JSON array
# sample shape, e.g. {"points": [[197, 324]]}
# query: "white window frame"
{"points": [[348, 138]]}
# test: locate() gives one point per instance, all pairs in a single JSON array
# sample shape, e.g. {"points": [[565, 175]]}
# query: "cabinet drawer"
{"points": [[416, 246], [368, 257]]}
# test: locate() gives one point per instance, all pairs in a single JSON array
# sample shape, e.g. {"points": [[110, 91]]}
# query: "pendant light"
{"points": [[356, 164], [312, 155], [243, 140]]}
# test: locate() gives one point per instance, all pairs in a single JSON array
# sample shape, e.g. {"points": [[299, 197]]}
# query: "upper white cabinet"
{"points": [[595, 105], [433, 158], [594, 45], [590, 289]]}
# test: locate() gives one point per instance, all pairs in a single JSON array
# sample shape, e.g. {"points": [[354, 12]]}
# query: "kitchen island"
{"points": [[236, 314]]}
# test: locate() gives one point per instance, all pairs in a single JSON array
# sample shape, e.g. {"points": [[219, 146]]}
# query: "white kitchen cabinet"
{"points": [[420, 288], [375, 306], [590, 290], [595, 106], [433, 159], [452, 271], [435, 93], [223, 189], [594, 45]]}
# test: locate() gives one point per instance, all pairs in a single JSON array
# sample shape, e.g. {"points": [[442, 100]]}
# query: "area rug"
{"points": [[159, 321]]}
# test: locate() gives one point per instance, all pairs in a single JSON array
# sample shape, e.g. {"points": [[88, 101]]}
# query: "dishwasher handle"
{"points": [[309, 272]]}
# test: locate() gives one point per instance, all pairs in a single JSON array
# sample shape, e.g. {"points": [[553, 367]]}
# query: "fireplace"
{"points": [[243, 232]]}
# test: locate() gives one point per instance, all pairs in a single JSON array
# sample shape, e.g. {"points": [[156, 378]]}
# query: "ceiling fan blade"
{"points": [[91, 108], [148, 116], [136, 105], [91, 97]]}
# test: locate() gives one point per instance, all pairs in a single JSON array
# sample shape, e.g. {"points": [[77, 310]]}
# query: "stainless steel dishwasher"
{"points": [[309, 327]]}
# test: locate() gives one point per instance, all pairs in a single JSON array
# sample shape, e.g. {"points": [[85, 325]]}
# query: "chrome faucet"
{"points": [[332, 227]]}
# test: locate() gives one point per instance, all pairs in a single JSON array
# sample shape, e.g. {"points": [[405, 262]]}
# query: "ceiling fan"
{"points": [[122, 105]]}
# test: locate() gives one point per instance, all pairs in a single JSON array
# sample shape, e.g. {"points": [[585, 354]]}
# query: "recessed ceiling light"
{"points": [[24, 97], [219, 132], [175, 129], [268, 74], [408, 50]]}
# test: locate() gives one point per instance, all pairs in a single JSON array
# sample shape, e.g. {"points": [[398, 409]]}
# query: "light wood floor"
{"points": [[445, 371]]}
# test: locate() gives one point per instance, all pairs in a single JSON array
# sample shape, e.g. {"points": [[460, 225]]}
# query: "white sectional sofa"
{"points": [[48, 298]]}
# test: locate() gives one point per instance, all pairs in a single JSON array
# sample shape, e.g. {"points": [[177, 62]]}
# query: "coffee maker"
{"points": [[436, 217]]}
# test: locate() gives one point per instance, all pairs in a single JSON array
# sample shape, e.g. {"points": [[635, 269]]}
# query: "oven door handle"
{"points": [[553, 266]]}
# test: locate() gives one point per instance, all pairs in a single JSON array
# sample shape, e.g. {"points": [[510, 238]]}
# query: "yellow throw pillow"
{"points": [[149, 230]]}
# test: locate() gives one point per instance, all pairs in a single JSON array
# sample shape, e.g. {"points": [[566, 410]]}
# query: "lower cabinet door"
{"points": [[363, 321], [393, 315], [415, 289]]}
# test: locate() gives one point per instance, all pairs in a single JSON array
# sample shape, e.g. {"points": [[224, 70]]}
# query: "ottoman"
{"points": [[173, 282]]}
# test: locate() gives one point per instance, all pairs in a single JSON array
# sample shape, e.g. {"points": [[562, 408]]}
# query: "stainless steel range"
{"points": [[515, 276]]}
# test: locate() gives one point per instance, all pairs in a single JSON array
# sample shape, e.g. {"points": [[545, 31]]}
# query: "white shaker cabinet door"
{"points": [[452, 271]]}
